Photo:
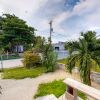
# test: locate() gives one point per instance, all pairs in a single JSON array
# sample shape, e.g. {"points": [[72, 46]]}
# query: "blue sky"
{"points": [[70, 17]]}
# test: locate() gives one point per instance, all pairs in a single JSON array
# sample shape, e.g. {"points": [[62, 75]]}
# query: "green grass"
{"points": [[64, 61], [96, 69], [57, 88], [82, 95], [21, 72]]}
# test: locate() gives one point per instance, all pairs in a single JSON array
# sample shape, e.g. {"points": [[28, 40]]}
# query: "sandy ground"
{"points": [[11, 63], [25, 89]]}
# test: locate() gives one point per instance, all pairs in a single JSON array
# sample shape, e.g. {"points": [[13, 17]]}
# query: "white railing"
{"points": [[75, 85]]}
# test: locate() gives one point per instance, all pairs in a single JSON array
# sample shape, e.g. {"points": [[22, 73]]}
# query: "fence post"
{"points": [[1, 63]]}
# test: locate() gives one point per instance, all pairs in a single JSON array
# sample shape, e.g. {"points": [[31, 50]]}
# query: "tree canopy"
{"points": [[14, 31]]}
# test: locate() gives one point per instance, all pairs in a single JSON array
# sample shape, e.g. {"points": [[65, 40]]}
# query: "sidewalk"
{"points": [[11, 63]]}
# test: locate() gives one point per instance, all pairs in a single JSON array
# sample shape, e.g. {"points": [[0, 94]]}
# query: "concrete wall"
{"points": [[95, 77]]}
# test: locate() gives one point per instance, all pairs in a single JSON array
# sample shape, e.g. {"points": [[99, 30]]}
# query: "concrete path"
{"points": [[11, 63], [25, 89]]}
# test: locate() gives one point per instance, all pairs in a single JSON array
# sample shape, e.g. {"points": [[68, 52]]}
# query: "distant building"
{"points": [[19, 49], [60, 50], [59, 46]]}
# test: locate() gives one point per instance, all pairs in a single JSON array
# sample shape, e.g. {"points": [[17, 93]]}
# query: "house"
{"points": [[60, 50], [19, 48], [59, 46]]}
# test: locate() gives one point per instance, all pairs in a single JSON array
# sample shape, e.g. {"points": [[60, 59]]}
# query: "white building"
{"points": [[60, 50], [59, 46]]}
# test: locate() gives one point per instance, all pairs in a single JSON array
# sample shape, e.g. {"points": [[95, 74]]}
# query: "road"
{"points": [[11, 63]]}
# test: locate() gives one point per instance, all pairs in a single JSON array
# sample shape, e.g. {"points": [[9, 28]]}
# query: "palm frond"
{"points": [[72, 61]]}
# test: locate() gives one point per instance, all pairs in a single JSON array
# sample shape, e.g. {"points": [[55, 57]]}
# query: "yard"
{"points": [[24, 89], [57, 88], [21, 72]]}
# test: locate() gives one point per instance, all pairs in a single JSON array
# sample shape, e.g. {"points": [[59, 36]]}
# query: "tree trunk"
{"points": [[89, 78]]}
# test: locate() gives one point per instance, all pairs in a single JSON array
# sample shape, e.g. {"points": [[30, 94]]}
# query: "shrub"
{"points": [[49, 58], [31, 59]]}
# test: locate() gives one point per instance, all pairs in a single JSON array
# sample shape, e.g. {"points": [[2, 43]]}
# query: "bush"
{"points": [[49, 58], [31, 59]]}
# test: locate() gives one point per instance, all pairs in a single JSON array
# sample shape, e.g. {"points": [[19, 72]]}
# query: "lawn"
{"points": [[57, 88], [64, 61], [21, 72]]}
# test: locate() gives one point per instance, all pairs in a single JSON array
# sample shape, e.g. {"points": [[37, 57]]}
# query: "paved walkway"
{"points": [[25, 89], [11, 63]]}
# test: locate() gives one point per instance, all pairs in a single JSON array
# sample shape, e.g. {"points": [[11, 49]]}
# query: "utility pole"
{"points": [[51, 30]]}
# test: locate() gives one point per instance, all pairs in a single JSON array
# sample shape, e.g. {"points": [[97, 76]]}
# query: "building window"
{"points": [[57, 48]]}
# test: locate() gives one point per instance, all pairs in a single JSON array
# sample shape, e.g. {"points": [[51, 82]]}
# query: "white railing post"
{"points": [[71, 93], [78, 86], [75, 94]]}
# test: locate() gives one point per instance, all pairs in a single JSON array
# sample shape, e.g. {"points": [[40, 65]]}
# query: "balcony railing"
{"points": [[78, 86]]}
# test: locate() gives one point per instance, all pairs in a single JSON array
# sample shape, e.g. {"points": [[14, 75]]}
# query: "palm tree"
{"points": [[86, 52]]}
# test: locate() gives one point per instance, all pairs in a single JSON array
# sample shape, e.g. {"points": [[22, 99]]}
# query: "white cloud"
{"points": [[22, 8], [88, 12]]}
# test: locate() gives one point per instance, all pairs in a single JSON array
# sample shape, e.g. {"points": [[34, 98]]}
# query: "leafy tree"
{"points": [[15, 31], [85, 52]]}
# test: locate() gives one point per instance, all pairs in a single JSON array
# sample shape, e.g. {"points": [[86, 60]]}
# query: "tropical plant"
{"points": [[39, 43], [49, 58], [86, 51], [31, 59]]}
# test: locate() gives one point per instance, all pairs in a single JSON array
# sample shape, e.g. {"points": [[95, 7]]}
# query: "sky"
{"points": [[70, 17]]}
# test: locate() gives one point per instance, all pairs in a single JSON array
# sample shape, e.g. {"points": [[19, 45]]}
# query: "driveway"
{"points": [[11, 63]]}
